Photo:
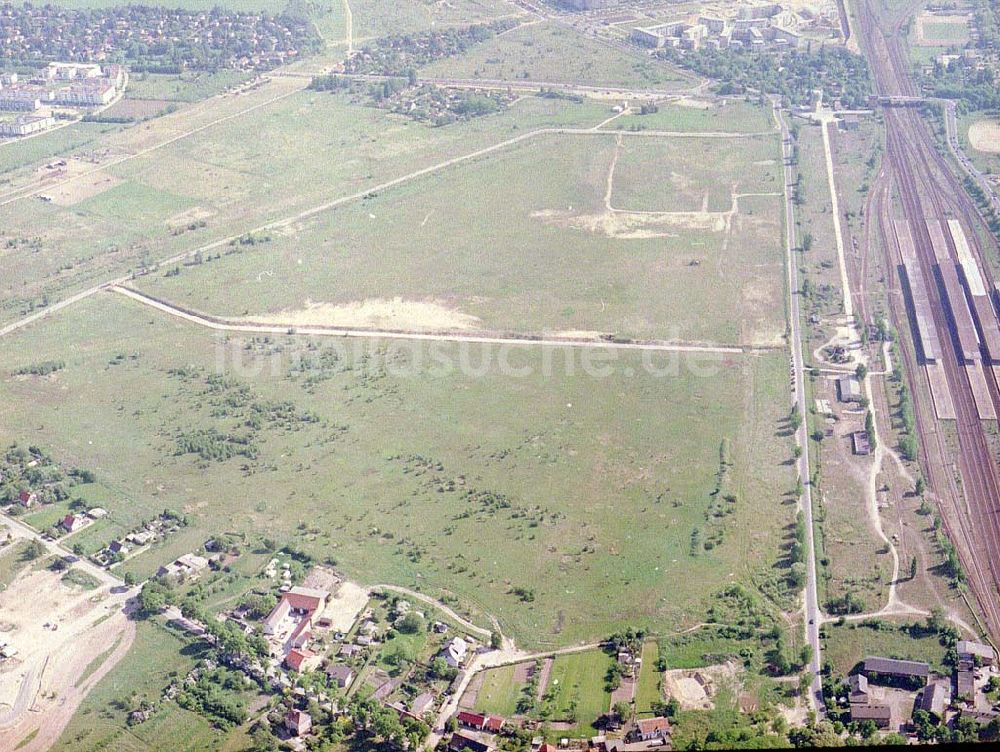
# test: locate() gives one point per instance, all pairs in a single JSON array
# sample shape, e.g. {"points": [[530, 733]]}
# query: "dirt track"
{"points": [[42, 686]]}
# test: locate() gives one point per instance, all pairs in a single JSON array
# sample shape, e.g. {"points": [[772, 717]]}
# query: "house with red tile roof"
{"points": [[471, 720], [73, 522], [301, 660], [494, 724], [27, 498]]}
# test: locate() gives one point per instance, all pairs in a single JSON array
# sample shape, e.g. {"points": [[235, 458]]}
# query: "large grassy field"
{"points": [[379, 18], [501, 245], [15, 155], [218, 181], [270, 6], [400, 470], [726, 116], [553, 53]]}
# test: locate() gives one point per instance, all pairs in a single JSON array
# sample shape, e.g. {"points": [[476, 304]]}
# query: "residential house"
{"points": [[454, 652], [494, 724], [892, 668], [341, 674], [468, 719], [965, 685], [935, 698], [296, 610], [848, 389], [880, 714], [861, 444], [188, 565], [298, 723], [27, 498], [422, 703], [117, 547], [975, 653], [650, 729], [302, 660], [462, 742], [858, 688], [73, 522]]}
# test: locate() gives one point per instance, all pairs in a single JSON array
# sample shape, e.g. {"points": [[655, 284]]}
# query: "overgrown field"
{"points": [[568, 502], [241, 160], [524, 240], [553, 53]]}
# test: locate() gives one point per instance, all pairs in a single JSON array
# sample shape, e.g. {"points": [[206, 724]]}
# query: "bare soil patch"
{"points": [[695, 689], [59, 631], [628, 225], [984, 135], [377, 313], [76, 189], [345, 604]]}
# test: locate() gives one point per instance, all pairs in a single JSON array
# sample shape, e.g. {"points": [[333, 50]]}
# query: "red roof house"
{"points": [[648, 729], [494, 724], [471, 720], [27, 498], [301, 660]]}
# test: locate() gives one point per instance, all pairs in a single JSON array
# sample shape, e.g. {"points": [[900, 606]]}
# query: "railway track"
{"points": [[927, 189]]}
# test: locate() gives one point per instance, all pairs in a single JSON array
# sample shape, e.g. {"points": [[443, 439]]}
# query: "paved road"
{"points": [[812, 610], [951, 131]]}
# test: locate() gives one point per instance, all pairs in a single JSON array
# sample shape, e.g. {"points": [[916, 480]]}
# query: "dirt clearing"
{"points": [[695, 688], [984, 135], [77, 189], [67, 639], [376, 313]]}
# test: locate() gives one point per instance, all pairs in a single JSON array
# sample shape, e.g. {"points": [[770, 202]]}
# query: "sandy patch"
{"points": [[575, 334], [626, 225], [697, 104], [75, 190], [41, 687], [695, 688], [344, 606], [188, 216], [377, 313], [984, 135]]}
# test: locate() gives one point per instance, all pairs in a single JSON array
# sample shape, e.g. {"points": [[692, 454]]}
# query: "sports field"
{"points": [[401, 470]]}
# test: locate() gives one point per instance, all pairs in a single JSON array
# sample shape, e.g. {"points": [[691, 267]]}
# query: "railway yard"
{"points": [[950, 309]]}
